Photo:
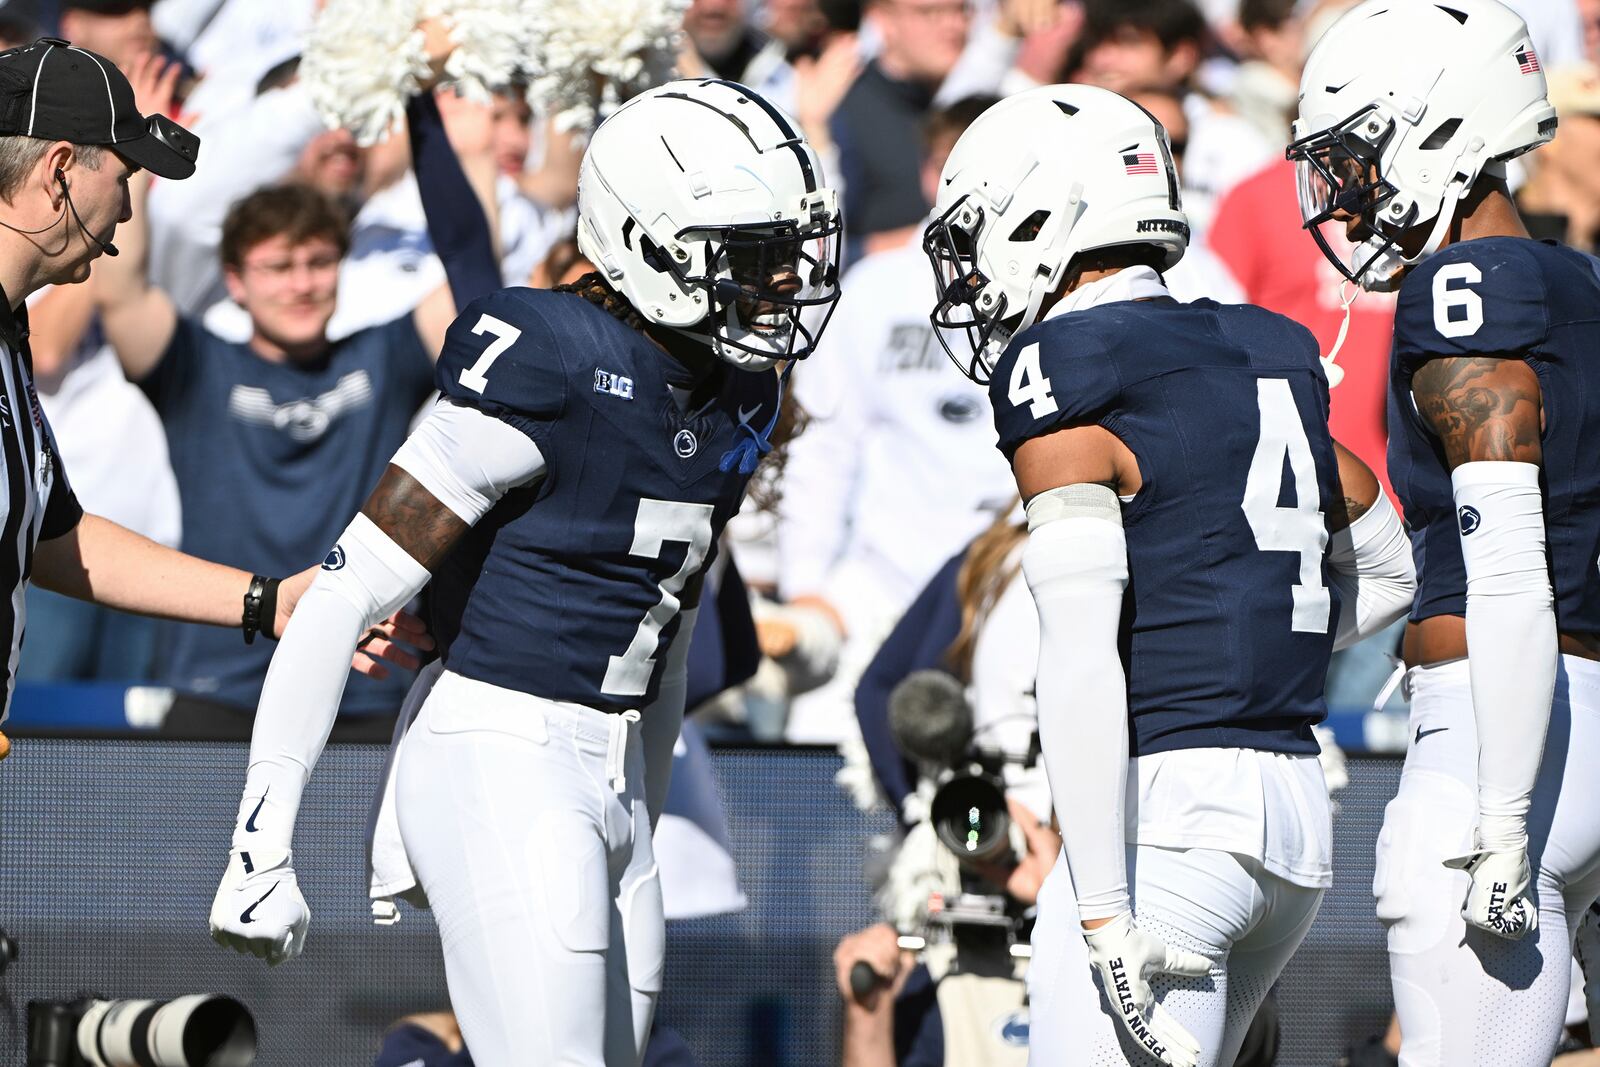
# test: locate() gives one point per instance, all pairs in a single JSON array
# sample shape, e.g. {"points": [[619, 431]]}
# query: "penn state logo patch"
{"points": [[1012, 1029], [1469, 518], [685, 444], [335, 560]]}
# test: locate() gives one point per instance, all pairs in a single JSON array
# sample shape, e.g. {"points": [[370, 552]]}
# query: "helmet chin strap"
{"points": [[1379, 275]]}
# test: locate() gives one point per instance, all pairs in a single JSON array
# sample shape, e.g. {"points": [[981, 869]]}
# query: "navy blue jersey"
{"points": [[1229, 618], [569, 588], [1510, 298]]}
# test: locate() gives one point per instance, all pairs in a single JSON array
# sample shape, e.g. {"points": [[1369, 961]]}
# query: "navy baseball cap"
{"points": [[56, 91]]}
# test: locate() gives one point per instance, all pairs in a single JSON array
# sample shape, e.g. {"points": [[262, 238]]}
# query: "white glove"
{"points": [[1127, 958], [1498, 900], [258, 909]]}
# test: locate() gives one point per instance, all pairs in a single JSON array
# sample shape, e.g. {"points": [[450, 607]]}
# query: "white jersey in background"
{"points": [[895, 473]]}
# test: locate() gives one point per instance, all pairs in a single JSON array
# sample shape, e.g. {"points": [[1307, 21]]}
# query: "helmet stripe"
{"points": [[794, 140]]}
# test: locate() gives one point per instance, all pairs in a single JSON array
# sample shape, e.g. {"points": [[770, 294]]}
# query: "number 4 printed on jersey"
{"points": [[1030, 386], [658, 522], [1294, 529]]}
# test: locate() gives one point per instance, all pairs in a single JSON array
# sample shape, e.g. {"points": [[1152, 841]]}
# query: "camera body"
{"points": [[200, 1030]]}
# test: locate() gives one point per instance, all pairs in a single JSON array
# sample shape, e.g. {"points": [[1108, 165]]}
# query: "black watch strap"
{"points": [[260, 607]]}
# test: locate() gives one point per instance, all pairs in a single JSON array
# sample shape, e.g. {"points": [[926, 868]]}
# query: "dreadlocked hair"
{"points": [[985, 572], [594, 288], [766, 485]]}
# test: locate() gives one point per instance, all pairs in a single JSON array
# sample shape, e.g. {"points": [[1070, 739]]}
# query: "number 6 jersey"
{"points": [[1510, 298], [1229, 617], [573, 588]]}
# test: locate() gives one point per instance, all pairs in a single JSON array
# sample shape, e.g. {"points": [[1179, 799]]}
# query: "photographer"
{"points": [[978, 626], [905, 1020]]}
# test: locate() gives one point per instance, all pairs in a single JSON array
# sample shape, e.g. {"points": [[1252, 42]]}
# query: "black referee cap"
{"points": [[59, 92]]}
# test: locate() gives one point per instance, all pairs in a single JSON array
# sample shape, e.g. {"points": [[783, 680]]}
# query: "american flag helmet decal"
{"points": [[1139, 162], [1527, 59]]}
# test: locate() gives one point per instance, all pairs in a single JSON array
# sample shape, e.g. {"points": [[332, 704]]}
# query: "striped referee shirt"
{"points": [[39, 503]]}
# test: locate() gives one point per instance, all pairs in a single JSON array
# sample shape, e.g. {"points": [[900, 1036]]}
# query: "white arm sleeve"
{"points": [[1076, 563], [1511, 638], [1371, 565], [468, 459], [370, 577]]}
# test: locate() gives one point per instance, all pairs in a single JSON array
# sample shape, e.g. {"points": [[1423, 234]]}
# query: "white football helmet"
{"points": [[705, 207], [1037, 179], [1399, 142]]}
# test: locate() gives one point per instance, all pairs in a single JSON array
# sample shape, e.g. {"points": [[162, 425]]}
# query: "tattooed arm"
{"points": [[453, 469], [1481, 408], [1487, 414], [1359, 490], [1369, 555]]}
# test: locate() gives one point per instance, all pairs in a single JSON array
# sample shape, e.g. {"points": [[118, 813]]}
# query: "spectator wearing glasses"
{"points": [[275, 440]]}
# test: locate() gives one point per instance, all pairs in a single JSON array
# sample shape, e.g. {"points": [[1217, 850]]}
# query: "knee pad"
{"points": [[644, 927], [1419, 899]]}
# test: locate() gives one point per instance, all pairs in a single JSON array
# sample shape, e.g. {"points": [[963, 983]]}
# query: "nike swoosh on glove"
{"points": [[258, 909], [1498, 899], [1127, 958]]}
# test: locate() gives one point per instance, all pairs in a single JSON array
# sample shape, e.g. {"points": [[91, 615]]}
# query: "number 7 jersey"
{"points": [[1229, 618], [573, 588]]}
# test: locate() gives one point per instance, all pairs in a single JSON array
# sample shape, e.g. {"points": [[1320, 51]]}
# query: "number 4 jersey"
{"points": [[1510, 298], [573, 588], [1229, 617]]}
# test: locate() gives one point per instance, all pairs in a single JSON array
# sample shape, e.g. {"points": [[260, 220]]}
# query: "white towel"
{"points": [[389, 873]]}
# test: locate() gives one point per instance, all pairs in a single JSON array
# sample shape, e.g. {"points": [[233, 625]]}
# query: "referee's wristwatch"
{"points": [[260, 607]]}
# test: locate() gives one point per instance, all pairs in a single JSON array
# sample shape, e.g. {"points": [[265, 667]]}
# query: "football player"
{"points": [[1197, 547], [564, 497], [1490, 852]]}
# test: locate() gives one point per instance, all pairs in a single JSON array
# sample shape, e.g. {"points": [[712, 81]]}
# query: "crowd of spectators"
{"points": [[233, 382]]}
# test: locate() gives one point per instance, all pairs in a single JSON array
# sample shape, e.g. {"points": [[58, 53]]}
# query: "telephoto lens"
{"points": [[969, 815], [201, 1030]]}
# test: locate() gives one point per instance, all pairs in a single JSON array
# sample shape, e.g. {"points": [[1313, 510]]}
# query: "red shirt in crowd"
{"points": [[1258, 235]]}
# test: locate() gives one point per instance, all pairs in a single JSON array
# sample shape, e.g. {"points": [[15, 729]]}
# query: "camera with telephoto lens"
{"points": [[932, 723], [201, 1030]]}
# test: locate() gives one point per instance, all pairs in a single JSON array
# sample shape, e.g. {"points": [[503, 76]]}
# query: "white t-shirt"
{"points": [[898, 468]]}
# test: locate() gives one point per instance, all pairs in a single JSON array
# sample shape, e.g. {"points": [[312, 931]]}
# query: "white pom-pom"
{"points": [[363, 59], [492, 39], [587, 58]]}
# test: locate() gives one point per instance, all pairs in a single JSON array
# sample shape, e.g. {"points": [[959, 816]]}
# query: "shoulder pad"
{"points": [[501, 354], [1476, 298], [1052, 374]]}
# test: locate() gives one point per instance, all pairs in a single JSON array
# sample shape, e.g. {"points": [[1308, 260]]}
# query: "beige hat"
{"points": [[1575, 89]]}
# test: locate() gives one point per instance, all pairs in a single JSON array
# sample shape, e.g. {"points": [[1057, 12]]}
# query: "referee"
{"points": [[70, 136]]}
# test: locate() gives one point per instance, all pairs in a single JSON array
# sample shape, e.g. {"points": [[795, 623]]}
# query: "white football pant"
{"points": [[1225, 907], [526, 823], [1466, 997]]}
